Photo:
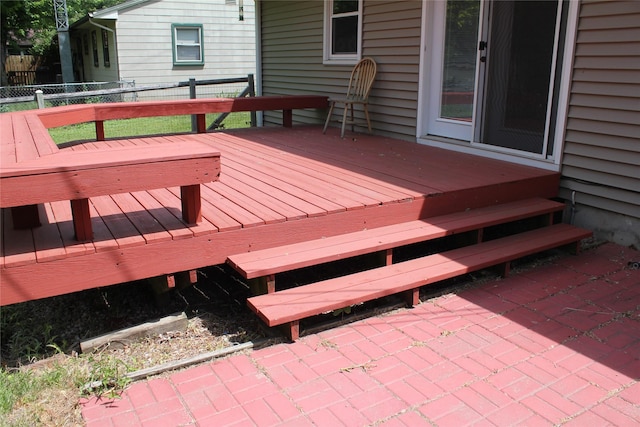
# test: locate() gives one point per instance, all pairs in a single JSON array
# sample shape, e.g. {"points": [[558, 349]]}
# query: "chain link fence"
{"points": [[18, 98]]}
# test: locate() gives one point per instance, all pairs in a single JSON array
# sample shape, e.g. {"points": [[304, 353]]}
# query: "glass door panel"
{"points": [[519, 74], [459, 62]]}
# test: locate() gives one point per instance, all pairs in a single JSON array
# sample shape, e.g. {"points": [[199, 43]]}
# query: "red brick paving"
{"points": [[554, 345]]}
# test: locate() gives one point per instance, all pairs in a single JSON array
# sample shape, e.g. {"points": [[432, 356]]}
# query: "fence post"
{"points": [[40, 98], [252, 92], [192, 95]]}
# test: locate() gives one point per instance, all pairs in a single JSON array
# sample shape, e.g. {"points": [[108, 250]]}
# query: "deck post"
{"points": [[99, 130], [412, 297], [504, 269], [191, 203], [292, 330], [201, 123], [287, 118], [263, 285], [25, 217], [81, 219]]}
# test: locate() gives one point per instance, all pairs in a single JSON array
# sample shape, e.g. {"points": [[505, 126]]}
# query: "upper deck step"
{"points": [[289, 257]]}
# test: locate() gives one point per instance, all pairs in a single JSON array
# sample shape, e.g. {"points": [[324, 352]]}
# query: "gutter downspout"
{"points": [[258, 32]]}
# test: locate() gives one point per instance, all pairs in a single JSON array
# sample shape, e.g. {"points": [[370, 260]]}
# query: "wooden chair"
{"points": [[360, 84]]}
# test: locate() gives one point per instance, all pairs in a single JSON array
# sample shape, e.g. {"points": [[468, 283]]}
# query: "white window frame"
{"points": [[174, 36], [340, 58]]}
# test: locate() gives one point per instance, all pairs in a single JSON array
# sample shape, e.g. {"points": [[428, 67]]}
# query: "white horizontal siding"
{"points": [[145, 43], [601, 163]]}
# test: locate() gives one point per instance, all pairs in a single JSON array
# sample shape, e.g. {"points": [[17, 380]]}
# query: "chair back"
{"points": [[361, 79]]}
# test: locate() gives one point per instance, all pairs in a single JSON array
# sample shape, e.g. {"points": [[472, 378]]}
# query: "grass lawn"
{"points": [[142, 126]]}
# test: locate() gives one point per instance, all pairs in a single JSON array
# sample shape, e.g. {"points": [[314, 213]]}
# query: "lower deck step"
{"points": [[291, 305], [268, 262]]}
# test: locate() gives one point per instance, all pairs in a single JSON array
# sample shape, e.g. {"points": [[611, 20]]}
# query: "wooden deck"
{"points": [[277, 186]]}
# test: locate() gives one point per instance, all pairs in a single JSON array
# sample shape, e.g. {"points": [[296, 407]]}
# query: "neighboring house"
{"points": [[550, 84], [166, 41]]}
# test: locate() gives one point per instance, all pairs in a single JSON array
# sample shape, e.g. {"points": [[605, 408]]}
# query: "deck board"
{"points": [[277, 186], [171, 202], [18, 246], [350, 187], [343, 174], [119, 225], [145, 223], [280, 202], [62, 215], [7, 146], [245, 196], [25, 149], [290, 176], [168, 221], [47, 240]]}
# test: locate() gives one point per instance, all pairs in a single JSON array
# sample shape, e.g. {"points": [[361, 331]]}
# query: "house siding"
{"points": [[292, 53], [144, 41], [600, 167]]}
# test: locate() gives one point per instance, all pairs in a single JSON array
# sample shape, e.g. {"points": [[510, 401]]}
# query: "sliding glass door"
{"points": [[495, 73]]}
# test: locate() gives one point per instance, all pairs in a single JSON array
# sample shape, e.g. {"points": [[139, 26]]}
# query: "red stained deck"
{"points": [[277, 186]]}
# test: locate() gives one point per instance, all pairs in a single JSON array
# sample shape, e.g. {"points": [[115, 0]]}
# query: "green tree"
{"points": [[36, 19]]}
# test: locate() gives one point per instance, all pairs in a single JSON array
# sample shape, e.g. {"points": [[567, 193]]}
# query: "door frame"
{"points": [[426, 81]]}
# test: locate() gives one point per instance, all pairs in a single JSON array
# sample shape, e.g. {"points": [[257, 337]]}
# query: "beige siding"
{"points": [[292, 43], [601, 161]]}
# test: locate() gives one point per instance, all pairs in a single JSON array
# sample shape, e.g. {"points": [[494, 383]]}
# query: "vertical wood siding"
{"points": [[601, 160], [292, 43]]}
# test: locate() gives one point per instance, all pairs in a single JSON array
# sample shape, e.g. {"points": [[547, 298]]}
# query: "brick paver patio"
{"points": [[558, 344]]}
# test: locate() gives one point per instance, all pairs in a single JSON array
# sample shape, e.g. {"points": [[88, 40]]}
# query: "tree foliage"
{"points": [[36, 19]]}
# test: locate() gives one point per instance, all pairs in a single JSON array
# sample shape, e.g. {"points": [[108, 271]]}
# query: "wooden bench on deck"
{"points": [[289, 306], [34, 171], [261, 266]]}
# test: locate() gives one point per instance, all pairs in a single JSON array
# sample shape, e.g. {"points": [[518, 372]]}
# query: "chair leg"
{"points": [[344, 119], [326, 123], [366, 114], [352, 119]]}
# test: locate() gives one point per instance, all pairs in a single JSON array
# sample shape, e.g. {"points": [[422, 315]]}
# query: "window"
{"points": [[105, 48], [342, 31], [187, 44], [94, 47]]}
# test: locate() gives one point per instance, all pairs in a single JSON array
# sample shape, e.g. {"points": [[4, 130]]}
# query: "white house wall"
{"points": [[144, 41], [145, 44]]}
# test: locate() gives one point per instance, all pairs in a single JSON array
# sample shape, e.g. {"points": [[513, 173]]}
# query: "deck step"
{"points": [[268, 262], [291, 305]]}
